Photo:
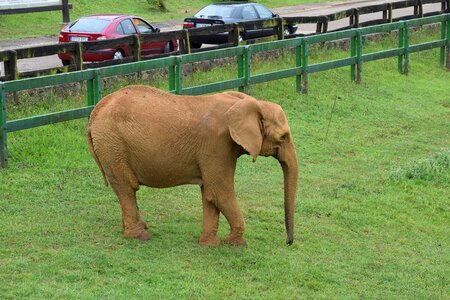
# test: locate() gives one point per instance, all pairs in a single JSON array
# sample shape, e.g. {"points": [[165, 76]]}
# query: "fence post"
{"points": [[233, 35], [359, 46], [247, 70], [401, 40], [240, 64], [172, 78], [3, 129], [78, 56], [93, 90], [304, 66], [179, 75], [406, 50], [186, 43], [448, 42], [280, 29], [389, 5], [298, 64], [65, 11], [136, 47], [353, 43], [11, 71], [443, 37]]}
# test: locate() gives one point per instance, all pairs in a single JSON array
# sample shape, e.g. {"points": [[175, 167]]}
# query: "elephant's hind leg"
{"points": [[133, 226]]}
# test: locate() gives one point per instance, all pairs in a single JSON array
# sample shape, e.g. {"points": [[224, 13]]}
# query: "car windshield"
{"points": [[89, 25], [221, 11]]}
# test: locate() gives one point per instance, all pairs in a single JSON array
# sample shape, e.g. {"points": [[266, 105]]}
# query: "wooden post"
{"points": [[280, 28], [3, 129], [298, 64], [247, 70], [448, 43], [136, 48], [406, 50], [11, 71], [65, 11], [78, 56], [304, 67], [234, 35], [359, 45]]}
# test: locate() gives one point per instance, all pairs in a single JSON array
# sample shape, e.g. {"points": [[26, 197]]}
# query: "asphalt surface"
{"points": [[310, 9]]}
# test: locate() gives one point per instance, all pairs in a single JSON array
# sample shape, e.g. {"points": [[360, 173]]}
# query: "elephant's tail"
{"points": [[94, 155]]}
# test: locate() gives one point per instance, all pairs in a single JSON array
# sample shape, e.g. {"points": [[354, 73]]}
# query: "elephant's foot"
{"points": [[209, 240], [143, 224], [235, 240], [139, 233]]}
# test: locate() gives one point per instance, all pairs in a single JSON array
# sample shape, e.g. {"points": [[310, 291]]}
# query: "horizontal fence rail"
{"points": [[76, 49], [244, 78]]}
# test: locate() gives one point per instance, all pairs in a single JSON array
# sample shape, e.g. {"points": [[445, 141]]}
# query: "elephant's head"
{"points": [[261, 128]]}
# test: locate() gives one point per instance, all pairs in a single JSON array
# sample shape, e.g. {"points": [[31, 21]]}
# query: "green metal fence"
{"points": [[244, 79]]}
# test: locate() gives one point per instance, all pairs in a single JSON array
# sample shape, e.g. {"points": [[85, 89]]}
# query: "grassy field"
{"points": [[373, 203], [49, 23]]}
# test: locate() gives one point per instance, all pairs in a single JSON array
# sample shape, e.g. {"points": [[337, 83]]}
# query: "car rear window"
{"points": [[211, 11], [89, 25]]}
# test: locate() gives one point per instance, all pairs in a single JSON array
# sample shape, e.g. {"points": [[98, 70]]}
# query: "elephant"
{"points": [[141, 135]]}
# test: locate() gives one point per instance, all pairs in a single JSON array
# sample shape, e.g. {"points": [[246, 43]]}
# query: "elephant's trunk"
{"points": [[288, 160]]}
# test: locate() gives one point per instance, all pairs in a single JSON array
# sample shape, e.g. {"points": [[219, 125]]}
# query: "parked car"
{"points": [[231, 12], [110, 26]]}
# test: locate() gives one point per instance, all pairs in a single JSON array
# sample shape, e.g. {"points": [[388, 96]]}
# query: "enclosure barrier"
{"points": [[244, 79], [386, 14]]}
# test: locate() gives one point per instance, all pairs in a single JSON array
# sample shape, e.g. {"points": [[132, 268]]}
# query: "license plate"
{"points": [[202, 25], [78, 38]]}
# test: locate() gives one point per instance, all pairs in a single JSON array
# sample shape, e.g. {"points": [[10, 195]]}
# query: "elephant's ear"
{"points": [[244, 123]]}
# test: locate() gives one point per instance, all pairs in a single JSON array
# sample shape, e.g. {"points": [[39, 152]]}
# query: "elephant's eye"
{"points": [[284, 137]]}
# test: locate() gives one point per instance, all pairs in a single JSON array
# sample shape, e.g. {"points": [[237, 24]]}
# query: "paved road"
{"points": [[311, 9]]}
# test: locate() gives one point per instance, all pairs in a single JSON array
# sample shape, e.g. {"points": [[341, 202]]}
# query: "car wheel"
{"points": [[65, 62], [167, 48], [287, 31], [118, 54], [196, 45]]}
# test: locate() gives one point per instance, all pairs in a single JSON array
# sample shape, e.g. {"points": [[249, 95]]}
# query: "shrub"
{"points": [[157, 4], [435, 168]]}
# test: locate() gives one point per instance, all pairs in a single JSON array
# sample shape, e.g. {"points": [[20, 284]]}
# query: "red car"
{"points": [[109, 26]]}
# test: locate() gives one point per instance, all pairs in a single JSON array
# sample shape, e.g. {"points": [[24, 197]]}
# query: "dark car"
{"points": [[109, 26], [231, 12]]}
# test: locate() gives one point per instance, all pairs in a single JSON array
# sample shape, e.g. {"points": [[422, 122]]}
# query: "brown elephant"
{"points": [[141, 135]]}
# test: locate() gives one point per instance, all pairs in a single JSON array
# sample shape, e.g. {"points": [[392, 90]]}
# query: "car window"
{"points": [[249, 13], [263, 12], [221, 11], [143, 27], [126, 27], [89, 25]]}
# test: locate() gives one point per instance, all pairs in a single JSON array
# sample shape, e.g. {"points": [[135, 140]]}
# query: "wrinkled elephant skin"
{"points": [[141, 135]]}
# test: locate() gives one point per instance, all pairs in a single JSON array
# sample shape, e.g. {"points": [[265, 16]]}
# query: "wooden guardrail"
{"points": [[10, 57], [245, 79]]}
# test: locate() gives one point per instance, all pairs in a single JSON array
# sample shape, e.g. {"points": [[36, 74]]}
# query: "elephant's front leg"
{"points": [[210, 221], [232, 212]]}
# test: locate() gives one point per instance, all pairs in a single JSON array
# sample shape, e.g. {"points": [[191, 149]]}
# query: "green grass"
{"points": [[49, 23], [373, 202]]}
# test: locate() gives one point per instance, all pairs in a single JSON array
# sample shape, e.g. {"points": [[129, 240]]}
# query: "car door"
{"points": [[149, 47], [264, 14], [248, 13], [126, 27]]}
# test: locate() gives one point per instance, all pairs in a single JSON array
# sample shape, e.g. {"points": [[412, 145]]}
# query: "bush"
{"points": [[435, 168], [157, 4]]}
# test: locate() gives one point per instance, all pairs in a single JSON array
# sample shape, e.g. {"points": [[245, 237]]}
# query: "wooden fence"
{"points": [[10, 58], [244, 79], [64, 7]]}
